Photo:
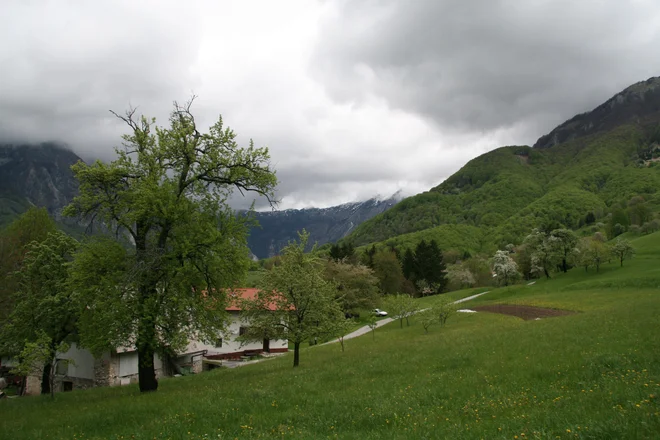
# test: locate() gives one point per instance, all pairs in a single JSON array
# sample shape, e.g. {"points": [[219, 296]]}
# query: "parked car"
{"points": [[379, 312]]}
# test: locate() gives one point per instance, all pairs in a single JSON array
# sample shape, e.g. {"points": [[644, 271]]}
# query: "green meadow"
{"points": [[594, 374]]}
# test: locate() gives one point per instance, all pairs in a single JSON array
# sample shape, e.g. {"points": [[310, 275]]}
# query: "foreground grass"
{"points": [[594, 374]]}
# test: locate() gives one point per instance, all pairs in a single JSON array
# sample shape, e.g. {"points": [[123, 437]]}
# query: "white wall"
{"points": [[128, 364], [82, 365], [83, 362], [8, 362], [229, 343]]}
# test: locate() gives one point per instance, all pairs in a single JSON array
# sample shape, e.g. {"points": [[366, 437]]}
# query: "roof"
{"points": [[243, 293]]}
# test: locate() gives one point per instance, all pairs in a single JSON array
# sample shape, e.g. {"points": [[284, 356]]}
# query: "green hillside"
{"points": [[514, 189], [594, 374]]}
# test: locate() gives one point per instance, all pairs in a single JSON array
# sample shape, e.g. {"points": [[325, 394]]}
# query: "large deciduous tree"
{"points": [[167, 193], [294, 302], [45, 315]]}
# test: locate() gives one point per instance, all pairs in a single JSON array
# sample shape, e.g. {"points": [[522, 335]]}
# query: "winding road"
{"points": [[366, 329]]}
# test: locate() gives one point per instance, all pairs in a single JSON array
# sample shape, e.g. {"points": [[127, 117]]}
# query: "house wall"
{"points": [[126, 367], [229, 345], [7, 362], [82, 362]]}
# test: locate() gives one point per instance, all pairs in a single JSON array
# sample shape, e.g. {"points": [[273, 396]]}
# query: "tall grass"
{"points": [[591, 375]]}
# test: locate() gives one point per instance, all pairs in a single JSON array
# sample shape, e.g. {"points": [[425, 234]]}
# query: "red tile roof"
{"points": [[243, 293]]}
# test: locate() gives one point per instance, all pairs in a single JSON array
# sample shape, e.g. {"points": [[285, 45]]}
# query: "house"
{"points": [[120, 367], [199, 353], [77, 373]]}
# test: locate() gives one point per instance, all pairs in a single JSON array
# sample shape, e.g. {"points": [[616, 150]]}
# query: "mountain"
{"points": [[37, 175], [637, 104], [595, 163], [40, 175], [325, 225]]}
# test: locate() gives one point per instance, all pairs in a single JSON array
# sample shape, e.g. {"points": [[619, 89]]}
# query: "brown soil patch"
{"points": [[524, 312]]}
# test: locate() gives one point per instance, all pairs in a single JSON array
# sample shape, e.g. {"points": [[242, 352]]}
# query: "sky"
{"points": [[353, 98]]}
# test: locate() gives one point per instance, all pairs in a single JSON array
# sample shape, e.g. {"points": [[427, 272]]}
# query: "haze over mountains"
{"points": [[592, 163], [40, 175]]}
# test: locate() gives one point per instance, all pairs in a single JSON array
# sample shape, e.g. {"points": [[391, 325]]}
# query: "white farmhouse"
{"points": [[120, 367]]}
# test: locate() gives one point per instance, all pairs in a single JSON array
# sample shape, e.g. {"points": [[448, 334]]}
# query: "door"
{"points": [[267, 345]]}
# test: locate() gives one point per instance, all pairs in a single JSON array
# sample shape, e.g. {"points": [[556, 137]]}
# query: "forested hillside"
{"points": [[508, 191]]}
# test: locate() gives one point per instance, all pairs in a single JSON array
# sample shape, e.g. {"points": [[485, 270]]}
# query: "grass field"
{"points": [[592, 375]]}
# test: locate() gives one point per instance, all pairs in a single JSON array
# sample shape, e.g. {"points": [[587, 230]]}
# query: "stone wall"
{"points": [[77, 382]]}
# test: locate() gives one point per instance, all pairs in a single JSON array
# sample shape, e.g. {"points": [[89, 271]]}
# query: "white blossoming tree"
{"points": [[505, 268]]}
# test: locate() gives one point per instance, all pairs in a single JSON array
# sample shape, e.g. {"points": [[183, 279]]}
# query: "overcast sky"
{"points": [[353, 98]]}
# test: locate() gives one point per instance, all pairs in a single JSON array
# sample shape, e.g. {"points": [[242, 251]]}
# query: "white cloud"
{"points": [[353, 99]]}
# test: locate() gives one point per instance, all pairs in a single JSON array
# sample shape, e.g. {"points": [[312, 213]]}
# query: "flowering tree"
{"points": [[544, 249], [505, 268], [623, 249], [460, 276]]}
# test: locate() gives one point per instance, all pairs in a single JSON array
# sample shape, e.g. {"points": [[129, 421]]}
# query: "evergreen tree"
{"points": [[369, 255], [335, 252], [429, 266], [408, 265]]}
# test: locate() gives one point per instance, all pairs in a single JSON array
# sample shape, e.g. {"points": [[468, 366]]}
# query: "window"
{"points": [[242, 331], [67, 386], [218, 343]]}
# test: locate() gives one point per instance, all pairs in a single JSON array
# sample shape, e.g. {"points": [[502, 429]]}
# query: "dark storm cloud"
{"points": [[64, 67], [480, 65]]}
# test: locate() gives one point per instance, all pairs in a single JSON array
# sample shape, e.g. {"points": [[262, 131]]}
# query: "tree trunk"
{"points": [[51, 374], [45, 379], [296, 354], [564, 265], [146, 337], [145, 349]]}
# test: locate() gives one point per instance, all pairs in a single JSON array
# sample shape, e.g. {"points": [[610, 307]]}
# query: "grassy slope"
{"points": [[513, 189], [595, 374]]}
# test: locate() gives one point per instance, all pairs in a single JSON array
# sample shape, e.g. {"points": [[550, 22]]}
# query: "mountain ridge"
{"points": [[635, 103], [40, 175], [506, 192], [325, 225]]}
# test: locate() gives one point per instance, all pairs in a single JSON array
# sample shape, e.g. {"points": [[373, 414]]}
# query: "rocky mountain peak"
{"points": [[639, 103], [40, 174]]}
